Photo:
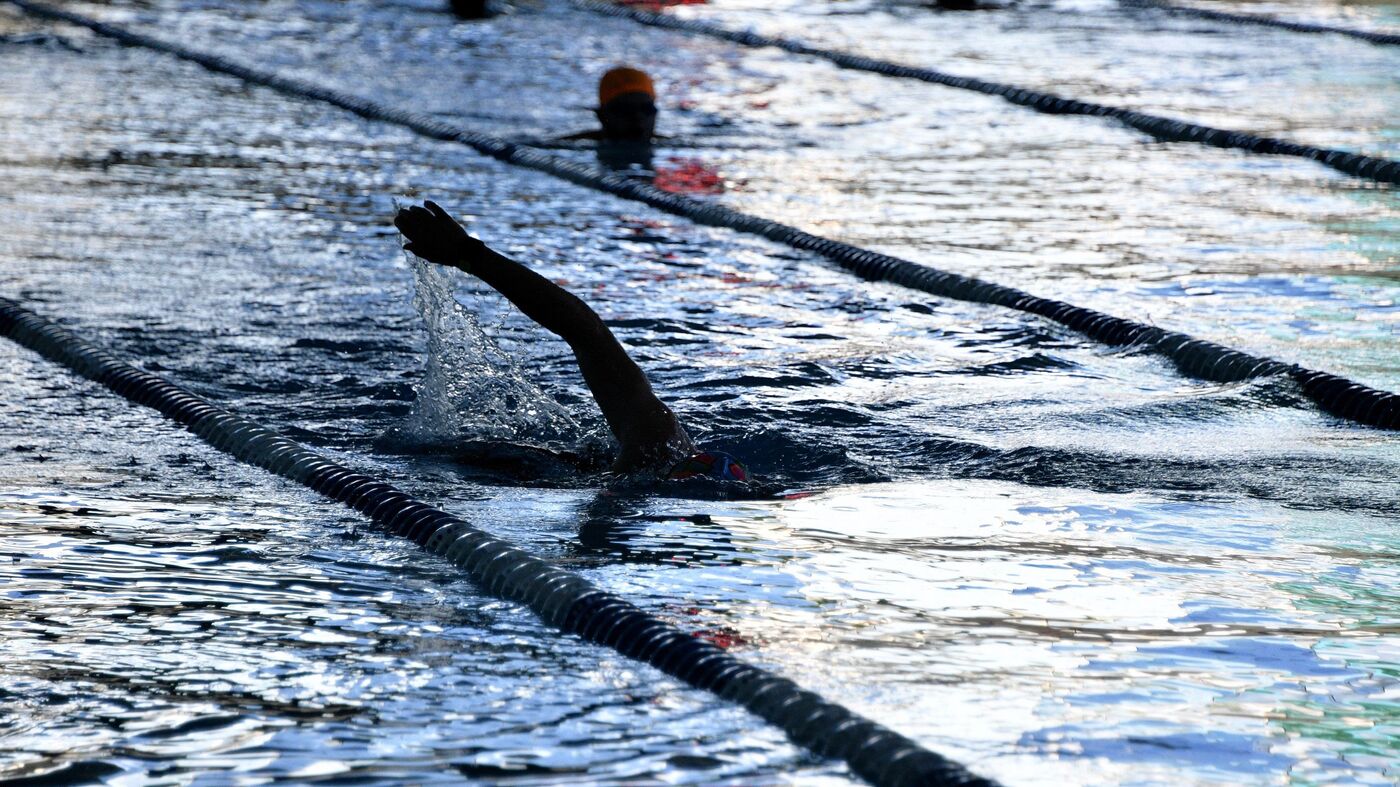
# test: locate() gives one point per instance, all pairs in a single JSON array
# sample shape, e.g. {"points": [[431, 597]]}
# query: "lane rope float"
{"points": [[560, 598], [1391, 39], [1167, 129], [1194, 357]]}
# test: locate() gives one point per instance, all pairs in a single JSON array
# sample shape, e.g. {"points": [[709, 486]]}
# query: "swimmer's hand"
{"points": [[436, 237]]}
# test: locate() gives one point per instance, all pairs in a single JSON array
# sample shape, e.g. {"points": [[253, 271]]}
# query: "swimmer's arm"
{"points": [[644, 426], [637, 417]]}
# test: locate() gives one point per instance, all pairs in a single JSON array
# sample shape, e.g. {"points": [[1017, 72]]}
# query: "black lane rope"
{"points": [[1196, 358], [1391, 39], [560, 598], [1166, 129]]}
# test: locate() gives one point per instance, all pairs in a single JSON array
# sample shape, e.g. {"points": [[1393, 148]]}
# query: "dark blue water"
{"points": [[1055, 562]]}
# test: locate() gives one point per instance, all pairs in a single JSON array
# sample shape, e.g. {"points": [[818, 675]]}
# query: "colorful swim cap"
{"points": [[710, 464], [622, 80]]}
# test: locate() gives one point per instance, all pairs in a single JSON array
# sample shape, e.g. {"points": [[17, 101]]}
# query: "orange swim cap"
{"points": [[622, 80]]}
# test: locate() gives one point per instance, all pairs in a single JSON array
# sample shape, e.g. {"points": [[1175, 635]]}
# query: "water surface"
{"points": [[1055, 562]]}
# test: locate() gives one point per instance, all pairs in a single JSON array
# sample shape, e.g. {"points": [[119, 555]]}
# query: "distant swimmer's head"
{"points": [[710, 464], [627, 105], [470, 9]]}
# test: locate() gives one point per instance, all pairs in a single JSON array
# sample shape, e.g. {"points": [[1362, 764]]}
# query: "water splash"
{"points": [[473, 390]]}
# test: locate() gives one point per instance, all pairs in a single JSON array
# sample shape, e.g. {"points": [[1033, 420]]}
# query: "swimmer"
{"points": [[650, 438], [471, 9], [626, 108]]}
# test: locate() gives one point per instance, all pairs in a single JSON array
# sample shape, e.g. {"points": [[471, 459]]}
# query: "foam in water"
{"points": [[473, 390]]}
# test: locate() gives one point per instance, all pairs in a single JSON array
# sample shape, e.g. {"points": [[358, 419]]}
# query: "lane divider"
{"points": [[563, 600], [1390, 39], [1167, 129], [1194, 357]]}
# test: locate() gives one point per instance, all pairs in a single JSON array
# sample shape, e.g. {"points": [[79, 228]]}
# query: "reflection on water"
{"points": [[1055, 562]]}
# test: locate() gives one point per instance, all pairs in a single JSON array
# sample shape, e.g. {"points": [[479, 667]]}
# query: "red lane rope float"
{"points": [[688, 176]]}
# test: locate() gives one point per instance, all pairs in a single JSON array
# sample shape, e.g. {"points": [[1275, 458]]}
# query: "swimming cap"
{"points": [[622, 80], [711, 464]]}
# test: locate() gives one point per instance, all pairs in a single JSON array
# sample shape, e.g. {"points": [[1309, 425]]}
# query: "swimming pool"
{"points": [[1051, 561]]}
